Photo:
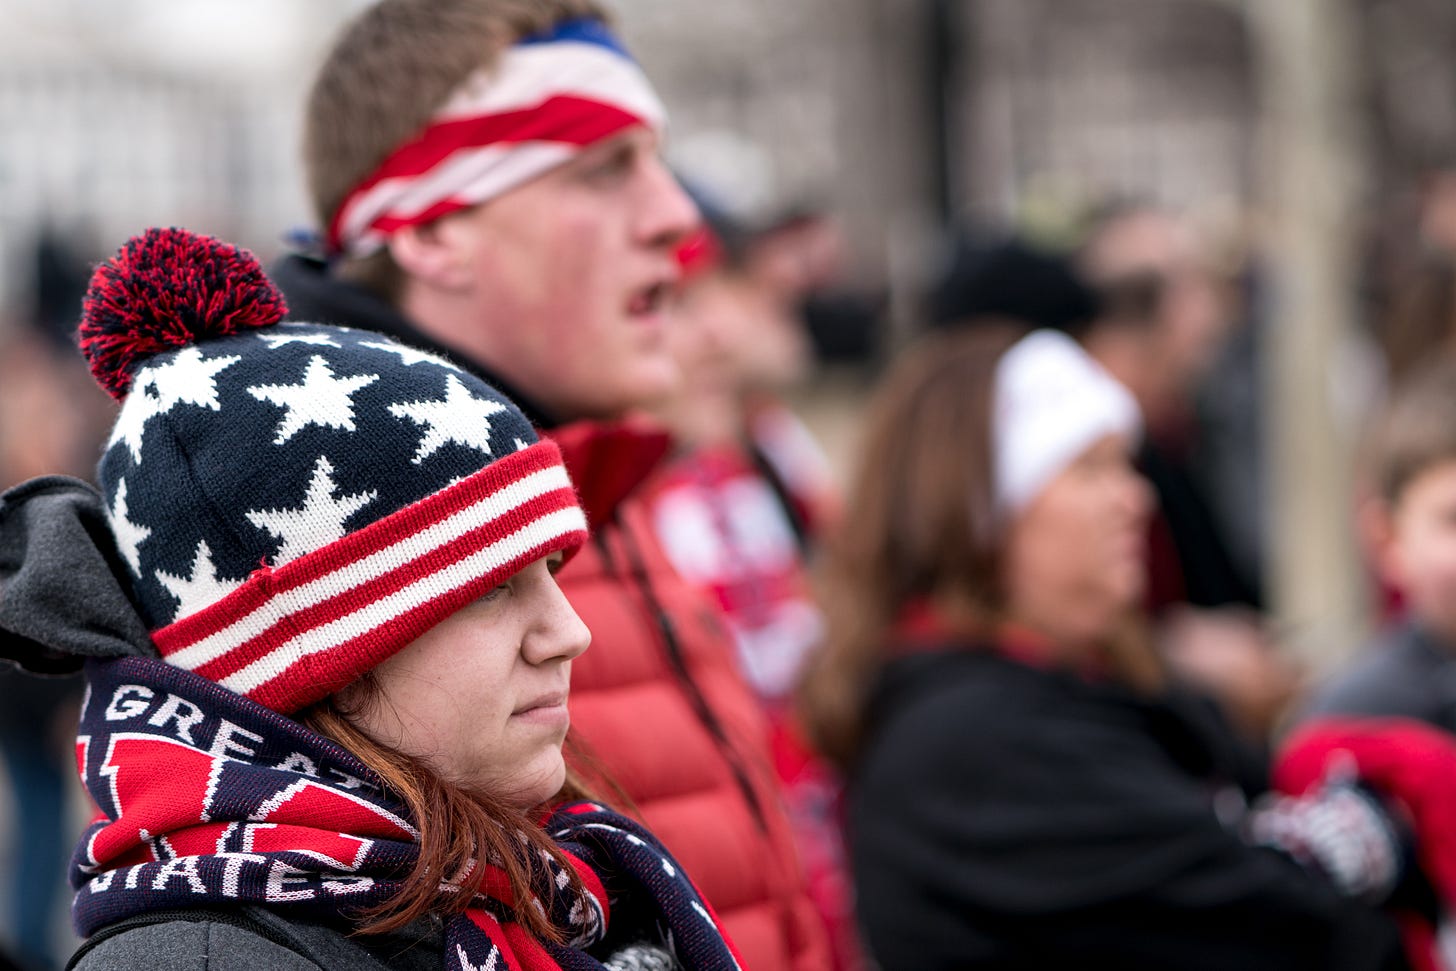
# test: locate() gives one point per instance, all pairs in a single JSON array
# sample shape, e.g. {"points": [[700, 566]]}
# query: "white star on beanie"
{"points": [[459, 417], [318, 523], [188, 378], [129, 535], [408, 355], [275, 341], [203, 588], [321, 399], [131, 422]]}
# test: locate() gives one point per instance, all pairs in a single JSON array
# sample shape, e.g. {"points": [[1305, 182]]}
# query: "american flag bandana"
{"points": [[550, 96]]}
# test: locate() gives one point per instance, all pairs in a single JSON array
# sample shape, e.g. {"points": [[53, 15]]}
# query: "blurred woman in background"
{"points": [[1026, 790]]}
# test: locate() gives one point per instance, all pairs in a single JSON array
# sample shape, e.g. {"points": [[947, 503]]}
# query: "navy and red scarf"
{"points": [[209, 800]]}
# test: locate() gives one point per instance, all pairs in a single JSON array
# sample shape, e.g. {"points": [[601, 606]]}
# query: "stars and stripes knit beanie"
{"points": [[297, 502]]}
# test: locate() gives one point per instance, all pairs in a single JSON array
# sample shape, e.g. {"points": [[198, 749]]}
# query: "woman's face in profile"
{"points": [[1076, 555], [482, 695]]}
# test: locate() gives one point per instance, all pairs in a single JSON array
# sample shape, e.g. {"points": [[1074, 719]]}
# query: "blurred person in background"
{"points": [[1163, 321], [739, 505], [40, 432], [1224, 650], [1412, 275], [1026, 789], [789, 276], [1421, 319], [52, 421], [1410, 668], [1410, 292], [489, 177]]}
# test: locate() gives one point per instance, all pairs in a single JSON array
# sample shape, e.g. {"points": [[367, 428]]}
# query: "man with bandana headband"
{"points": [[488, 178]]}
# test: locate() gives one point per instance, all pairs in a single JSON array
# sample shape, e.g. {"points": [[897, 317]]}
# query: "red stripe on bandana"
{"points": [[560, 119], [569, 119]]}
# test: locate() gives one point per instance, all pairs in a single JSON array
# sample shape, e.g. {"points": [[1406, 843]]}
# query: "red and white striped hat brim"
{"points": [[291, 635]]}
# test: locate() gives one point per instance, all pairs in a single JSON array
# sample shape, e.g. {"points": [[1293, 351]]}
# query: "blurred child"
{"points": [[1410, 521]]}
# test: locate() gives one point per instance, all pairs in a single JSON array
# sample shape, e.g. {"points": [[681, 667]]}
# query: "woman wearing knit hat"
{"points": [[329, 659], [1025, 788]]}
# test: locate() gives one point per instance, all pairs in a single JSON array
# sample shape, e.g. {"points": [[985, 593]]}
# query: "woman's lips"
{"points": [[545, 709]]}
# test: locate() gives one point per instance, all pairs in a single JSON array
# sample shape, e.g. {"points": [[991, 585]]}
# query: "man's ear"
{"points": [[437, 254]]}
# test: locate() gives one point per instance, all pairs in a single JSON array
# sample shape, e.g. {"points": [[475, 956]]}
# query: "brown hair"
{"points": [[458, 827], [1422, 317], [919, 522], [386, 74], [1417, 429]]}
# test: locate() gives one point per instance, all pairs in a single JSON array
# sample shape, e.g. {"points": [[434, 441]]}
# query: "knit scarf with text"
{"points": [[209, 800]]}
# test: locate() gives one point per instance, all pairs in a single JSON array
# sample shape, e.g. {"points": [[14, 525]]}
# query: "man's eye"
{"points": [[617, 164]]}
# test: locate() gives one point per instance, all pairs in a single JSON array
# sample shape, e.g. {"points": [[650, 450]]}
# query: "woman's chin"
{"points": [[542, 786]]}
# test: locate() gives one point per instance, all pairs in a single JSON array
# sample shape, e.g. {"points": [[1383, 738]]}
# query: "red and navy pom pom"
{"points": [[169, 288]]}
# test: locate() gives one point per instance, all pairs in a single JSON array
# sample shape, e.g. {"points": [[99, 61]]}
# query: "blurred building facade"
{"points": [[119, 115], [1060, 103], [901, 116], [896, 113]]}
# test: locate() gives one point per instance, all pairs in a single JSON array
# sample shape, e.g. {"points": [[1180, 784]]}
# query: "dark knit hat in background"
{"points": [[297, 502], [1007, 278]]}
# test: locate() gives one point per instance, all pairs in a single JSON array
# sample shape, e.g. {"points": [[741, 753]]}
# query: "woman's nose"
{"points": [[1138, 495], [560, 633]]}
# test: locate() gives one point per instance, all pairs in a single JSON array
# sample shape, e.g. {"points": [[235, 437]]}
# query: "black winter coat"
{"points": [[1009, 817]]}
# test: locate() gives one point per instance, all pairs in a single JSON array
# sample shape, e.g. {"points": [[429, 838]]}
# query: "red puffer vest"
{"points": [[659, 704]]}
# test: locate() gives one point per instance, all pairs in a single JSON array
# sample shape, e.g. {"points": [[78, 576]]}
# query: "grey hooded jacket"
{"points": [[254, 937]]}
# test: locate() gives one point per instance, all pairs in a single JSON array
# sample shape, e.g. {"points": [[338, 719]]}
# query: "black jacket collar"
{"points": [[314, 295]]}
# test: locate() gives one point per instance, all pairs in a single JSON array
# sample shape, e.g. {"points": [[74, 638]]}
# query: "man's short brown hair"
{"points": [[390, 69], [1417, 430]]}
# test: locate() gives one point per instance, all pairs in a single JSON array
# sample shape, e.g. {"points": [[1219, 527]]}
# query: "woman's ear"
{"points": [[437, 254]]}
